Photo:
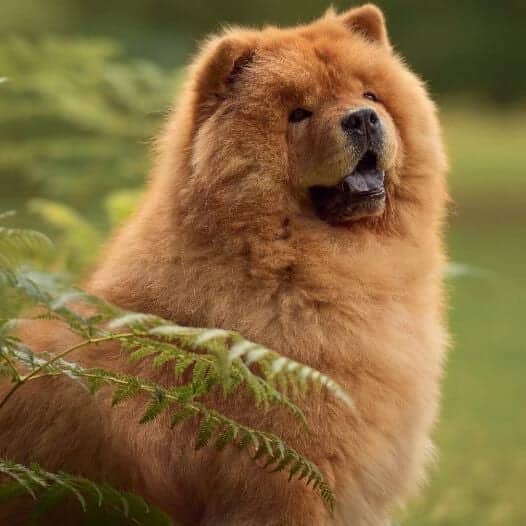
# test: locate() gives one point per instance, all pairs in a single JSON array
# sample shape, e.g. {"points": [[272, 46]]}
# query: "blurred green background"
{"points": [[85, 86]]}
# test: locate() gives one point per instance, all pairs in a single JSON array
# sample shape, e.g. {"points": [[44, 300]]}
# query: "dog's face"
{"points": [[325, 113], [341, 136]]}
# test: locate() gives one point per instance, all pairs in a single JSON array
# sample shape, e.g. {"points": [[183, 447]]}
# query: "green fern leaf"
{"points": [[158, 404], [126, 391], [50, 489], [180, 416], [228, 436], [206, 429]]}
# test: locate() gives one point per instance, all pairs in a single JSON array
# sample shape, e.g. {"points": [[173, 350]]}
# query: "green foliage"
{"points": [[78, 239], [101, 503], [73, 115], [202, 361], [19, 244]]}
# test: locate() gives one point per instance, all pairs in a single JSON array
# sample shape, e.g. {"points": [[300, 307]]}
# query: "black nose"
{"points": [[363, 121]]}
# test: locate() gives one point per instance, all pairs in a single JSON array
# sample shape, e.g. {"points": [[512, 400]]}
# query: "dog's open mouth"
{"points": [[359, 194]]}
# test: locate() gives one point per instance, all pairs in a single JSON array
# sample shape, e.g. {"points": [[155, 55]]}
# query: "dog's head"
{"points": [[324, 120]]}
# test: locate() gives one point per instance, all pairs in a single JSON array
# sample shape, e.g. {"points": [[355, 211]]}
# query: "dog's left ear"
{"points": [[369, 21]]}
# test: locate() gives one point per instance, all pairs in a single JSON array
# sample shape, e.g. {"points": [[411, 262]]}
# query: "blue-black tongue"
{"points": [[366, 180]]}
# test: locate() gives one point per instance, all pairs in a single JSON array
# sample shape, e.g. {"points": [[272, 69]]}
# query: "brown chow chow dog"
{"points": [[298, 198]]}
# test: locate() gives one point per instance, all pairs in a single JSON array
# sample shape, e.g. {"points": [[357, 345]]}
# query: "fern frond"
{"points": [[209, 368], [225, 356], [232, 349], [21, 280], [181, 404], [49, 489], [19, 244]]}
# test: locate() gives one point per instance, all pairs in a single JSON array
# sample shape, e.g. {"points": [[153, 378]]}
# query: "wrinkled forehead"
{"points": [[314, 62]]}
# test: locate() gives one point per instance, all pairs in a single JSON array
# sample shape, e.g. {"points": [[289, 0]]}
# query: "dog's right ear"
{"points": [[223, 62]]}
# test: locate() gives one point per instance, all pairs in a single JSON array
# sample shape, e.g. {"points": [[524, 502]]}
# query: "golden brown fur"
{"points": [[226, 238]]}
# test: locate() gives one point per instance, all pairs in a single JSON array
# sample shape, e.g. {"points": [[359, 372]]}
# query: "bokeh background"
{"points": [[84, 86]]}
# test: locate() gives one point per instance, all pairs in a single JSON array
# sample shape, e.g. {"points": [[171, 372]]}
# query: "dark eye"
{"points": [[299, 114], [371, 96]]}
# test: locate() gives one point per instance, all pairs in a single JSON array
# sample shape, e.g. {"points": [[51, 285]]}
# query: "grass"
{"points": [[481, 474], [487, 148]]}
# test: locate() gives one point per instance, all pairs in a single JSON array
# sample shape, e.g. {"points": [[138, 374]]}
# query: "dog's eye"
{"points": [[371, 96], [299, 114]]}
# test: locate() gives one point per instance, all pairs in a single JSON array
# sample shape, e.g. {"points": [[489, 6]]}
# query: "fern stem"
{"points": [[91, 341]]}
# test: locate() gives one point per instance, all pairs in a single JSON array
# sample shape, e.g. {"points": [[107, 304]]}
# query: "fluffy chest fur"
{"points": [[367, 313]]}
